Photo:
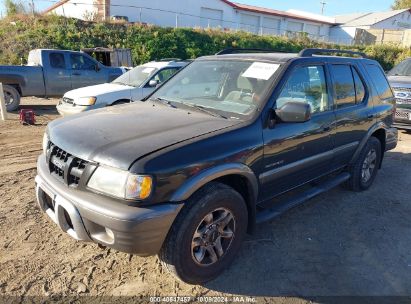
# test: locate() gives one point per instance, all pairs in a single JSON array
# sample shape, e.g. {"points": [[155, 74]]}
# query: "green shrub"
{"points": [[20, 34]]}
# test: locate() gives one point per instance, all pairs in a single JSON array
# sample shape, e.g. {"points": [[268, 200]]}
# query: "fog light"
{"points": [[110, 233]]}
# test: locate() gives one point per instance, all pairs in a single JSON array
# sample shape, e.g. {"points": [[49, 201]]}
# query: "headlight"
{"points": [[120, 183], [45, 142], [85, 101]]}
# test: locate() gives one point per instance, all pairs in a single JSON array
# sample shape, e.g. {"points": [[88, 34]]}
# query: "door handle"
{"points": [[370, 116], [326, 128], [76, 74]]}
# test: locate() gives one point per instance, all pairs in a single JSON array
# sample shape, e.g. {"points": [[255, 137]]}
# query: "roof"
{"points": [[55, 5], [366, 19], [272, 12]]}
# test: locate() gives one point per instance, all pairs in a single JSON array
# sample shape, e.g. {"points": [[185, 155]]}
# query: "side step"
{"points": [[281, 207]]}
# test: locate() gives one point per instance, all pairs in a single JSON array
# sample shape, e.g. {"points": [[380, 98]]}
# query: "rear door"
{"points": [[353, 109], [85, 71], [57, 75], [295, 153]]}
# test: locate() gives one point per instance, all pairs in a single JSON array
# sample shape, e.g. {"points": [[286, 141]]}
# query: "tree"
{"points": [[14, 7], [400, 4]]}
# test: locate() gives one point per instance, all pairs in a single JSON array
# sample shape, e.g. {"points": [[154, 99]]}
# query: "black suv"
{"points": [[215, 150]]}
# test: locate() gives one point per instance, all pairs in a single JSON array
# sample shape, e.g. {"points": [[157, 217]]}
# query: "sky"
{"points": [[332, 7]]}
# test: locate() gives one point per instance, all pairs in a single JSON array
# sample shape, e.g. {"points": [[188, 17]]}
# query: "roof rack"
{"points": [[240, 50], [170, 59], [311, 52]]}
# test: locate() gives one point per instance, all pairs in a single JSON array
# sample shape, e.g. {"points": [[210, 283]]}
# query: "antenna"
{"points": [[323, 4]]}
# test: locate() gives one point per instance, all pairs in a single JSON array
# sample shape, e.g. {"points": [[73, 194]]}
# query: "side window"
{"points": [[343, 86], [359, 87], [380, 81], [164, 74], [80, 62], [57, 60], [306, 84]]}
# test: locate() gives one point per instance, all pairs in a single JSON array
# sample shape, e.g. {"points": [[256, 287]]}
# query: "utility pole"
{"points": [[32, 7], [323, 3]]}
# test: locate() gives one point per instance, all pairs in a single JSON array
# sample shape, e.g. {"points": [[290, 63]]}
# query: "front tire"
{"points": [[12, 98], [365, 168], [206, 234]]}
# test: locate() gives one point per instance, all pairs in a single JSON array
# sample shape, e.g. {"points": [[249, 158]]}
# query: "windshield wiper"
{"points": [[164, 101], [204, 109]]}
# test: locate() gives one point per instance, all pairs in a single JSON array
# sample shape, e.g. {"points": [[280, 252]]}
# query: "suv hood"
{"points": [[117, 136], [97, 90]]}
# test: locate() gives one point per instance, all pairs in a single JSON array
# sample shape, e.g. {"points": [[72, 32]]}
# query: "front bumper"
{"points": [[402, 118], [66, 109], [87, 216]]}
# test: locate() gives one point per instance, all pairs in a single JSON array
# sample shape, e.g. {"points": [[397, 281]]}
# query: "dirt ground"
{"points": [[340, 243]]}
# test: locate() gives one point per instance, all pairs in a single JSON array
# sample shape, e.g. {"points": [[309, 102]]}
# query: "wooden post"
{"points": [[2, 104]]}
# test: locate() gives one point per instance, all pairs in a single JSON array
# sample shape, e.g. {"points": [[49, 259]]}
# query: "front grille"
{"points": [[68, 100], [65, 166], [402, 101], [402, 115], [401, 89]]}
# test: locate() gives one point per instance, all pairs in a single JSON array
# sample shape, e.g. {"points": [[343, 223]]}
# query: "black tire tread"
{"points": [[168, 251]]}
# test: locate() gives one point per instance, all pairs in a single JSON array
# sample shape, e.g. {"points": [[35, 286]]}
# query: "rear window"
{"points": [[379, 80]]}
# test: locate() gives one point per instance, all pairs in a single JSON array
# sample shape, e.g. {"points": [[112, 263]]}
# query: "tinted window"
{"points": [[57, 61], [343, 85], [359, 87], [306, 84], [379, 80], [80, 62]]}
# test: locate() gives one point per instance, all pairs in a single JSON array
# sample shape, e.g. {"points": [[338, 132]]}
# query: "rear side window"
{"points": [[343, 86], [379, 80], [359, 87], [57, 61]]}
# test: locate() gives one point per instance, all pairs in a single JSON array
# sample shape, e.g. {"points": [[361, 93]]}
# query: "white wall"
{"points": [[342, 34], [399, 22], [199, 13], [81, 11]]}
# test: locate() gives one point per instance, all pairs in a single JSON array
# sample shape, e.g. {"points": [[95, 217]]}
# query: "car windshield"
{"points": [[402, 69], [231, 88], [135, 77]]}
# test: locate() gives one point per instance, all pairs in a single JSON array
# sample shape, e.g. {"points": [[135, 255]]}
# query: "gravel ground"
{"points": [[340, 243]]}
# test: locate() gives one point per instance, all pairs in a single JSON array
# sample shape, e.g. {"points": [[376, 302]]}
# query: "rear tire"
{"points": [[365, 168], [213, 220], [12, 98]]}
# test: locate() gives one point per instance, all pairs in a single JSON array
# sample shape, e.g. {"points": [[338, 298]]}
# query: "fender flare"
{"points": [[378, 126], [196, 182]]}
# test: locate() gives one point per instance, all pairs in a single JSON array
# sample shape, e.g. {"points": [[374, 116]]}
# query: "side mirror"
{"points": [[97, 68], [293, 111], [153, 83]]}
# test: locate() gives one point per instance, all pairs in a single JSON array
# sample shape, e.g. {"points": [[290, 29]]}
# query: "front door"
{"points": [[85, 71], [295, 153]]}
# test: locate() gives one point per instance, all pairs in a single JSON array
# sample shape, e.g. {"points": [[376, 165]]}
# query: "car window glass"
{"points": [[57, 61], [343, 85], [306, 84], [164, 75], [80, 62], [359, 87], [233, 88], [379, 80]]}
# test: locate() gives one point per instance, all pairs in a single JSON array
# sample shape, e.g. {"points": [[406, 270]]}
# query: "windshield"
{"points": [[402, 69], [135, 77], [232, 88]]}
